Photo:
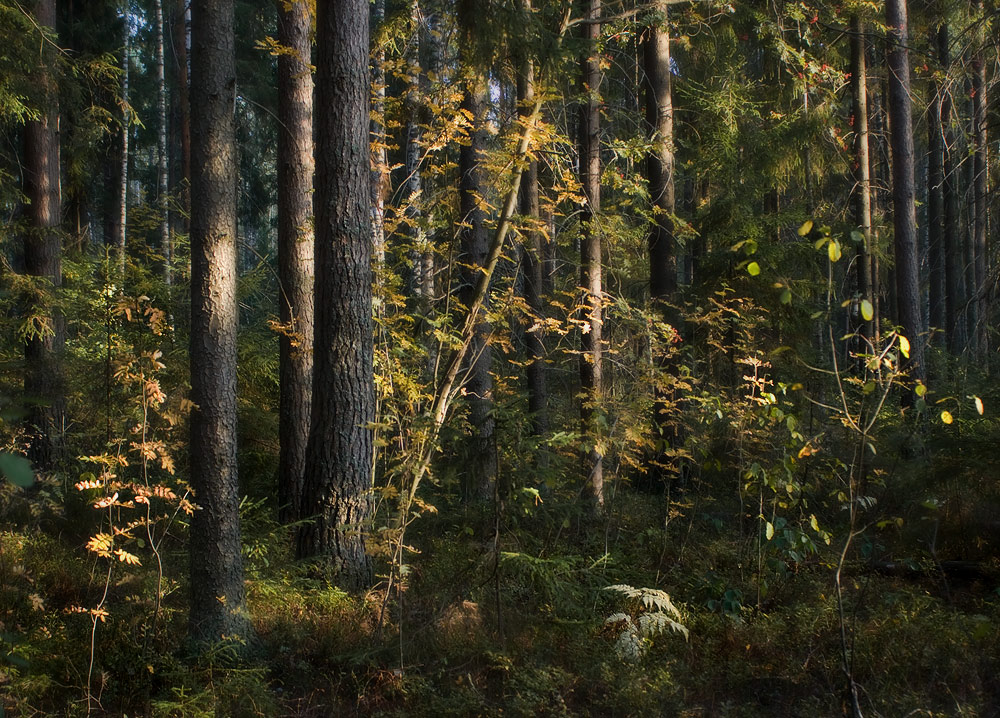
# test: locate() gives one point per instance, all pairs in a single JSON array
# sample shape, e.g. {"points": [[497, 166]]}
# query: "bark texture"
{"points": [[296, 245], [980, 191], [862, 172], [951, 219], [937, 288], [904, 213], [338, 478], [43, 380], [162, 159], [218, 603], [591, 385], [474, 243]]}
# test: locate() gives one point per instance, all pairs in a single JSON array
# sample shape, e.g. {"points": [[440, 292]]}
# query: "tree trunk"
{"points": [[380, 158], [590, 256], [162, 168], [937, 286], [218, 605], [953, 254], [421, 255], [338, 478], [980, 153], [43, 380], [903, 188], [296, 244], [126, 130], [862, 172], [533, 260], [661, 240], [182, 114]]}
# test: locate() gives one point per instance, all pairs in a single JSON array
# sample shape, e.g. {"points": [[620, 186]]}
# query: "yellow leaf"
{"points": [[979, 405], [833, 250], [946, 417], [806, 228], [867, 310], [904, 346], [753, 269]]}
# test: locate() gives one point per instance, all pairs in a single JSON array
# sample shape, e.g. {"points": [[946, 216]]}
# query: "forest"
{"points": [[499, 358]]}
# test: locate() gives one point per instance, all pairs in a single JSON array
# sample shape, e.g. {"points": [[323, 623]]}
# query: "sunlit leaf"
{"points": [[904, 346], [920, 389], [833, 250], [979, 405], [946, 417], [867, 310], [753, 269], [806, 228], [769, 531]]}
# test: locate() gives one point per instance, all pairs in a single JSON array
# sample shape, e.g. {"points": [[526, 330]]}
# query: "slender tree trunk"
{"points": [[533, 260], [937, 286], [162, 167], [380, 158], [43, 379], [182, 114], [980, 190], [296, 244], [862, 171], [953, 254], [661, 240], [120, 250], [590, 256], [903, 187], [421, 256], [474, 245], [218, 602], [338, 478]]}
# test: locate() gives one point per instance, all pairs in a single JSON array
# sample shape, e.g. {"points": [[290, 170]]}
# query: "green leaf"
{"points": [[867, 310], [857, 236], [920, 389], [786, 296], [833, 250], [17, 469], [806, 228], [753, 269]]}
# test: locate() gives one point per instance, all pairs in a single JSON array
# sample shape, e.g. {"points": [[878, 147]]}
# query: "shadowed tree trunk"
{"points": [[338, 477], [380, 157], [162, 166], [181, 114], [661, 240], [296, 245], [43, 379], [980, 151], [218, 603], [904, 213], [953, 254], [862, 172], [937, 287], [590, 256], [474, 245]]}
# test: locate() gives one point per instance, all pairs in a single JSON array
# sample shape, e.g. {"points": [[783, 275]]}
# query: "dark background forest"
{"points": [[499, 357]]}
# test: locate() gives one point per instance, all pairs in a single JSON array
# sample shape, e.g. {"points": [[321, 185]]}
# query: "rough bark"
{"points": [[862, 171], [43, 380], [980, 151], [181, 114], [421, 255], [953, 254], [380, 159], [338, 478], [120, 249], [218, 604], [591, 385], [661, 240], [162, 159], [903, 187], [532, 258], [296, 245]]}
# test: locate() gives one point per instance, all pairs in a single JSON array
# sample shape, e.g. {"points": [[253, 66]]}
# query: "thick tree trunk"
{"points": [[474, 246], [590, 256], [338, 478], [862, 171], [218, 604], [296, 244], [43, 380], [937, 286], [953, 254], [533, 260], [661, 240], [903, 188]]}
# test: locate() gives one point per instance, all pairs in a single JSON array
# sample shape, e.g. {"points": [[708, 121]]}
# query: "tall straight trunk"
{"points": [[296, 245], [980, 157], [661, 240], [182, 114], [474, 246], [338, 478], [967, 172], [904, 214], [953, 253], [937, 286], [43, 379], [862, 171], [533, 260], [162, 168], [380, 158], [218, 601], [421, 255], [126, 129], [591, 385]]}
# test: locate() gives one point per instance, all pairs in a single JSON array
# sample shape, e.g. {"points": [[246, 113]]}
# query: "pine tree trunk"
{"points": [[122, 223], [338, 478], [218, 603], [953, 253], [296, 244], [421, 255], [380, 158], [182, 114], [661, 240], [163, 170], [903, 187], [980, 191], [590, 256], [937, 286], [43, 379], [532, 258]]}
